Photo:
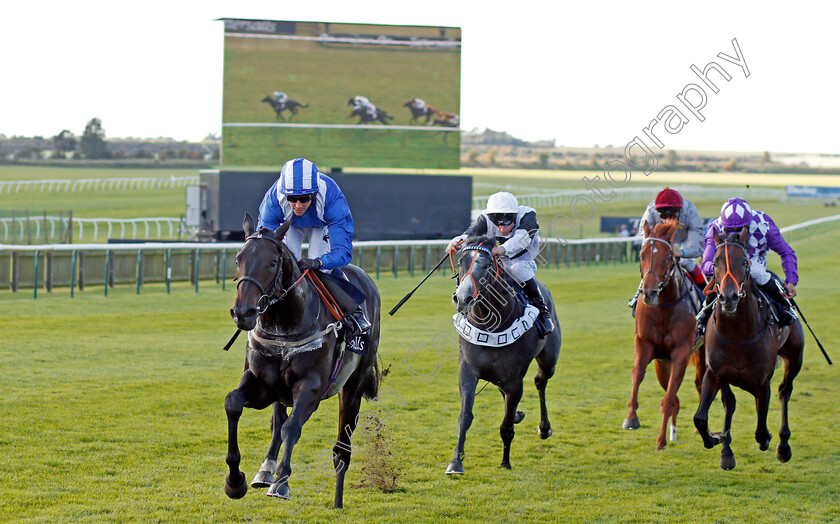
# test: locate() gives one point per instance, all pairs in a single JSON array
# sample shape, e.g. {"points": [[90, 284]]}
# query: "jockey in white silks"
{"points": [[516, 230], [320, 217]]}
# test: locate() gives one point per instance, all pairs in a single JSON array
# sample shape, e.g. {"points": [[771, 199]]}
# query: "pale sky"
{"points": [[582, 73]]}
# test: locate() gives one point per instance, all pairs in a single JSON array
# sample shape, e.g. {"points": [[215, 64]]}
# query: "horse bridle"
{"points": [[739, 286], [496, 264], [669, 273], [265, 301]]}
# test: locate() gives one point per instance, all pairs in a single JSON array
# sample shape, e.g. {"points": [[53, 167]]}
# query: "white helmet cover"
{"points": [[502, 202]]}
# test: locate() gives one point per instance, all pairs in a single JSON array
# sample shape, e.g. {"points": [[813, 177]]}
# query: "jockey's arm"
{"points": [[476, 229], [707, 266], [271, 213], [524, 234], [693, 246], [340, 225], [649, 217], [777, 243]]}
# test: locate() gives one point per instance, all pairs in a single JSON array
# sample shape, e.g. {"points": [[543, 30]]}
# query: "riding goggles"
{"points": [[502, 220], [299, 198]]}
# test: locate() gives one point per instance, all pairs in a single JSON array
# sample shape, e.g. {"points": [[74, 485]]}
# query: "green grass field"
{"points": [[325, 78], [113, 412]]}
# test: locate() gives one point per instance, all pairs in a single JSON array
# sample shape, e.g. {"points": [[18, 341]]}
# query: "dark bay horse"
{"points": [[294, 358], [743, 343], [416, 113], [289, 105], [364, 117], [665, 328], [490, 305]]}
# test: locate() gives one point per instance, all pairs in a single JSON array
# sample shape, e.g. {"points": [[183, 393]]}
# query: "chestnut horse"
{"points": [[294, 358], [743, 342], [665, 328], [491, 307]]}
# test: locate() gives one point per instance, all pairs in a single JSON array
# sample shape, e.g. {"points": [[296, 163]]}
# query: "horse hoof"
{"points": [[727, 462], [764, 446], [545, 434], [238, 489], [631, 423], [280, 490], [455, 468], [505, 465], [262, 479], [783, 452], [660, 446], [517, 418]]}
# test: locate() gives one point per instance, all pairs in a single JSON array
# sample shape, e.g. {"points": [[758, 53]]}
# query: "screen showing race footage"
{"points": [[341, 95]]}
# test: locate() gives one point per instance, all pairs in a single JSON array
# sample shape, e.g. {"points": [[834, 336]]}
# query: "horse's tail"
{"points": [[304, 105], [371, 381]]}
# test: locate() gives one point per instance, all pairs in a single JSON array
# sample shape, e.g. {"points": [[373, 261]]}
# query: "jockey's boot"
{"points": [[535, 297], [632, 303], [785, 309], [704, 314], [356, 323]]}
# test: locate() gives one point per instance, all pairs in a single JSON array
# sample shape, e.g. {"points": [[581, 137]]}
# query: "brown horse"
{"points": [[294, 358], [665, 328], [742, 344], [416, 113]]}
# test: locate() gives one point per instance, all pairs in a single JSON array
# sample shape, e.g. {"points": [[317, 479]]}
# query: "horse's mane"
{"points": [[734, 237], [665, 230], [485, 240]]}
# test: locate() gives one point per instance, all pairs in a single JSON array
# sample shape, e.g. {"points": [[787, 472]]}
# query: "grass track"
{"points": [[112, 412]]}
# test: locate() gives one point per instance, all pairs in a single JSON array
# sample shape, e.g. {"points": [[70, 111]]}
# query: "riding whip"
{"points": [[232, 340], [405, 298], [830, 363]]}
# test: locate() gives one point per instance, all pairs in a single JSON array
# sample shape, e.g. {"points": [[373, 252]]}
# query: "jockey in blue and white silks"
{"points": [[280, 97], [764, 236], [516, 231], [326, 224], [319, 215]]}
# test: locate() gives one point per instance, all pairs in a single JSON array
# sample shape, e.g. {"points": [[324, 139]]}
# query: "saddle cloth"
{"points": [[479, 337]]}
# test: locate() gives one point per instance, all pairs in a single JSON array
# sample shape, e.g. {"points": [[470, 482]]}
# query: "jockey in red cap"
{"points": [[688, 239]]}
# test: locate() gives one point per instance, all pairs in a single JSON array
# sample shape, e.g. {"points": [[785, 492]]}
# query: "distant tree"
{"points": [[65, 142], [93, 143], [671, 159], [765, 158]]}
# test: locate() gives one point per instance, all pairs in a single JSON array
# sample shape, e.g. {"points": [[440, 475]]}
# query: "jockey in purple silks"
{"points": [[764, 236]]}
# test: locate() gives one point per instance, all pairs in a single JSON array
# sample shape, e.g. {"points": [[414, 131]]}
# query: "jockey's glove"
{"points": [[310, 263]]}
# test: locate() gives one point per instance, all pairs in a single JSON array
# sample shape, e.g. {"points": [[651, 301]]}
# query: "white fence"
{"points": [[21, 229], [94, 184], [80, 265], [631, 194]]}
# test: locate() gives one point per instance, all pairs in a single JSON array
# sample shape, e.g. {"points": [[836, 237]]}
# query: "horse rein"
{"points": [[671, 260], [739, 286], [477, 248]]}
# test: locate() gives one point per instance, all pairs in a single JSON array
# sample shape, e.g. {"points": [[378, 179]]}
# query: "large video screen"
{"points": [[341, 95]]}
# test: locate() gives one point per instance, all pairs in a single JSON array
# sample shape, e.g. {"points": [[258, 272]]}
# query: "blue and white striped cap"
{"points": [[299, 176]]}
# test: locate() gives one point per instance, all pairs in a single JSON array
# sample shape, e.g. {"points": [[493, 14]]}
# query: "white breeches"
{"points": [[316, 237]]}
